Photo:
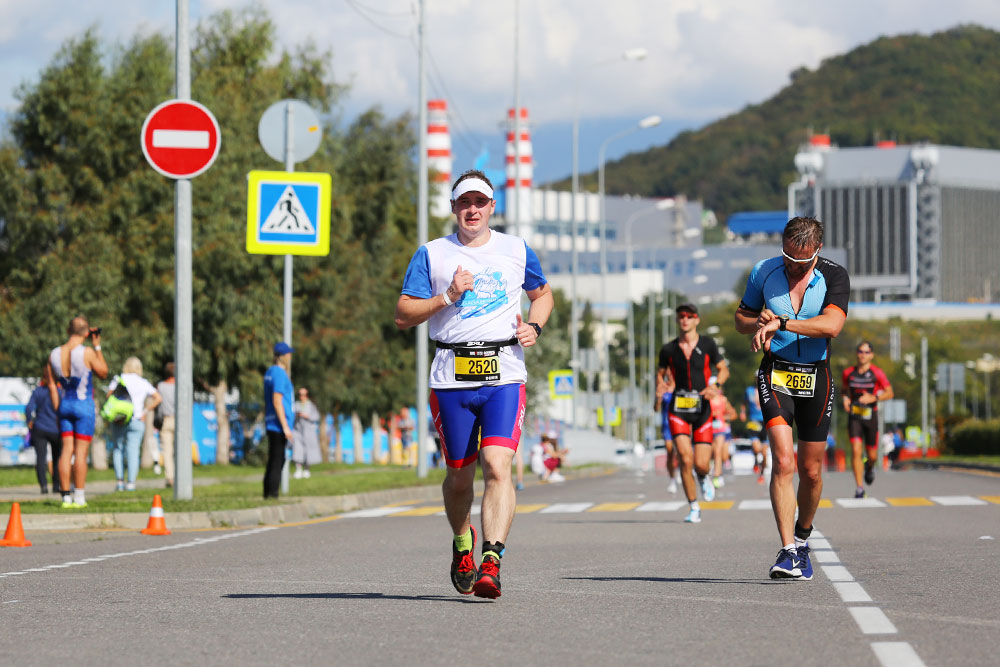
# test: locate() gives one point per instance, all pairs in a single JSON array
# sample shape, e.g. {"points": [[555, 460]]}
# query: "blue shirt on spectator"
{"points": [[41, 411], [276, 381]]}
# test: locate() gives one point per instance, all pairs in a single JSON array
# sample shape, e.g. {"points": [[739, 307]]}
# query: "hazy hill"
{"points": [[943, 88]]}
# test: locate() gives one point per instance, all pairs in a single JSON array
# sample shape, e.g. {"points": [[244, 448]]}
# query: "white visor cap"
{"points": [[472, 185]]}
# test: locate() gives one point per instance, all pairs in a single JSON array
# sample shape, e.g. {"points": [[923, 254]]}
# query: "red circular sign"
{"points": [[180, 138]]}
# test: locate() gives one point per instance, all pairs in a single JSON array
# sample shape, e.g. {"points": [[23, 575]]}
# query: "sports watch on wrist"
{"points": [[536, 327], [784, 322]]}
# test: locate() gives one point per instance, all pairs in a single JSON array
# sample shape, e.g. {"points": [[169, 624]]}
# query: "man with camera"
{"points": [[73, 366]]}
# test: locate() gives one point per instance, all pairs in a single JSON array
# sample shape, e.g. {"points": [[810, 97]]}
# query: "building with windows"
{"points": [[916, 222]]}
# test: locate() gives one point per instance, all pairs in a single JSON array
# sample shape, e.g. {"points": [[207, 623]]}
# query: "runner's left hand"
{"points": [[764, 334], [526, 335]]}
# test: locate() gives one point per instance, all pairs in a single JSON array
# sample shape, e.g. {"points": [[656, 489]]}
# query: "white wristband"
{"points": [[447, 301], [97, 348]]}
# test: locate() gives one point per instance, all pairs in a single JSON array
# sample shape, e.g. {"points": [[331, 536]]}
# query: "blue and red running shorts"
{"points": [[76, 418], [463, 417]]}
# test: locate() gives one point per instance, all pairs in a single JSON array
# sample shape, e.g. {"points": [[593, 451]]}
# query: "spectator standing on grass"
{"points": [[278, 415], [73, 366], [305, 445], [126, 437], [166, 411], [43, 425]]}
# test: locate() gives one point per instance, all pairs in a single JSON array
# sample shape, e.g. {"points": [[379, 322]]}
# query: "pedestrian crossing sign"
{"points": [[616, 417], [561, 384], [288, 213]]}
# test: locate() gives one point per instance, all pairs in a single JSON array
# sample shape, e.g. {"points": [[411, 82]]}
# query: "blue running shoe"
{"points": [[694, 516], [805, 565], [786, 566]]}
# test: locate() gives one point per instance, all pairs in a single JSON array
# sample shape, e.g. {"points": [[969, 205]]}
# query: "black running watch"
{"points": [[784, 322], [537, 327]]}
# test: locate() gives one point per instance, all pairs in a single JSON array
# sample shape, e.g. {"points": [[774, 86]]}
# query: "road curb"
{"points": [[302, 509], [944, 465]]}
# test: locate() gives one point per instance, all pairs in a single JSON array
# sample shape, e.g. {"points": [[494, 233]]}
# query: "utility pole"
{"points": [[924, 402]]}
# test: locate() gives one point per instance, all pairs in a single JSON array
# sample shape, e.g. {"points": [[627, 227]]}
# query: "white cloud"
{"points": [[706, 57]]}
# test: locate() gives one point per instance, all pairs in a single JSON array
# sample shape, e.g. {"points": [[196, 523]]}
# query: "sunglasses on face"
{"points": [[800, 261], [864, 351], [686, 316]]}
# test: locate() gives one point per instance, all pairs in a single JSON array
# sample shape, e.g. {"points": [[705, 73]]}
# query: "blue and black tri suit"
{"points": [[794, 382]]}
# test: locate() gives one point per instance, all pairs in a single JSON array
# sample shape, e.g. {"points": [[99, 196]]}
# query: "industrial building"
{"points": [[917, 222]]}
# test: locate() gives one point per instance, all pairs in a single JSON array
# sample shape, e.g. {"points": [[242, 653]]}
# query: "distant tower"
{"points": [[519, 177], [439, 157]]}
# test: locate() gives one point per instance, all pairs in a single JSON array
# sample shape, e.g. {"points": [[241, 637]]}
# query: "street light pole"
{"points": [[661, 205], [647, 122], [634, 54]]}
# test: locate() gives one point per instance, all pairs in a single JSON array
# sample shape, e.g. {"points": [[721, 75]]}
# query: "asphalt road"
{"points": [[595, 573]]}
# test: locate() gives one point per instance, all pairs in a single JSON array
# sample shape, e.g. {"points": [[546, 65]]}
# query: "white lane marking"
{"points": [[851, 591], [859, 503], [10, 601], [836, 573], [816, 533], [565, 508], [958, 500], [872, 621], [192, 543], [896, 654], [671, 506], [754, 505], [180, 139], [825, 556], [376, 511], [819, 543]]}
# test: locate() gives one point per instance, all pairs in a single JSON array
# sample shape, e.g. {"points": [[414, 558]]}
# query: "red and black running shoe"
{"points": [[488, 584], [463, 567]]}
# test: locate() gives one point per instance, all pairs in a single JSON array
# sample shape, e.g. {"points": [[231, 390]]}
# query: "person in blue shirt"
{"points": [[43, 424], [278, 415], [793, 306]]}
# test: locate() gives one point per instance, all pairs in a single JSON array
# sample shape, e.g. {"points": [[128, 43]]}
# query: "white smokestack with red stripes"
{"points": [[519, 176], [439, 157]]}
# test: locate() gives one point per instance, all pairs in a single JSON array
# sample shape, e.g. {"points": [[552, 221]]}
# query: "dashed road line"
{"points": [[896, 654], [872, 621], [957, 500]]}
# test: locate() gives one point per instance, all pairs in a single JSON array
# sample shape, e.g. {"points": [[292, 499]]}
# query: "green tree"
{"points": [[87, 226]]}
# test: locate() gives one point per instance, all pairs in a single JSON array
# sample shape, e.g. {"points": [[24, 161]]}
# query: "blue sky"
{"points": [[706, 58]]}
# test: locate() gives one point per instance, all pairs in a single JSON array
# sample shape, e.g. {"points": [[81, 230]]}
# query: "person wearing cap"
{"points": [[688, 362], [467, 286], [278, 415], [794, 304]]}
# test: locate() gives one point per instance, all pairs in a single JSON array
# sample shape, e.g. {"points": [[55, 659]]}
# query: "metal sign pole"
{"points": [[287, 329], [184, 399]]}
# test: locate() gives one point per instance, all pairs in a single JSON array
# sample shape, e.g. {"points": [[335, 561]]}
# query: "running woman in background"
{"points": [[664, 394], [793, 305], [467, 287], [754, 419], [865, 384], [723, 413]]}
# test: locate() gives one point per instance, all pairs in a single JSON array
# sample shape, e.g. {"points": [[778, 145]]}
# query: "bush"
{"points": [[976, 437]]}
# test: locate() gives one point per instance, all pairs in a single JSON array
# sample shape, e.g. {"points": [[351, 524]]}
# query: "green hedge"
{"points": [[976, 437]]}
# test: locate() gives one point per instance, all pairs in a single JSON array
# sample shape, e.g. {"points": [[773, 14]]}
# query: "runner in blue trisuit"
{"points": [[793, 306]]}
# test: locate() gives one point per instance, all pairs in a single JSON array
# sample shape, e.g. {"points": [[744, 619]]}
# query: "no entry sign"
{"points": [[180, 138]]}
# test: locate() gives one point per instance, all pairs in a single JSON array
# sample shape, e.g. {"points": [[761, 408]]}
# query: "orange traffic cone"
{"points": [[14, 537], [157, 525]]}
